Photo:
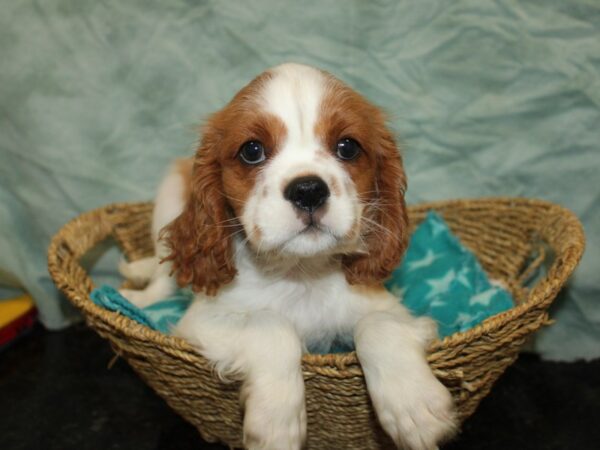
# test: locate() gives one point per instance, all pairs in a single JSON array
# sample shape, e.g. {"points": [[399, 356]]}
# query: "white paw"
{"points": [[276, 421], [417, 414], [137, 298], [139, 271], [426, 329]]}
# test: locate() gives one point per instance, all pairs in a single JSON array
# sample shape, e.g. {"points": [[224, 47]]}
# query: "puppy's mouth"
{"points": [[313, 225], [311, 239], [313, 229]]}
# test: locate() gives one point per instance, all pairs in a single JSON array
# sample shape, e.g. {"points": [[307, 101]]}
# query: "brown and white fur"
{"points": [[272, 278]]}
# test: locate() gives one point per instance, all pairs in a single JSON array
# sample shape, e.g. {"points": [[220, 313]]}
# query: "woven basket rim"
{"points": [[330, 362]]}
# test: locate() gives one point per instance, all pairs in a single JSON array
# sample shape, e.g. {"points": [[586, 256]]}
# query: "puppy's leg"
{"points": [[264, 350], [161, 286], [169, 202], [413, 407], [139, 271]]}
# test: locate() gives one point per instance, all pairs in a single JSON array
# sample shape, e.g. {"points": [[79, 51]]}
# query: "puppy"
{"points": [[285, 224]]}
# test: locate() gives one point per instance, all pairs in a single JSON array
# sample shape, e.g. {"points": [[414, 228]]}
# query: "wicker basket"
{"points": [[511, 238]]}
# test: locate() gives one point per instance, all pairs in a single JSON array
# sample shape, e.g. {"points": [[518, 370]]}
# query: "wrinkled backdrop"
{"points": [[489, 98]]}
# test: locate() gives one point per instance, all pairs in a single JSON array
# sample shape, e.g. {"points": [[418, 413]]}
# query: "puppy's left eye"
{"points": [[347, 149], [252, 152]]}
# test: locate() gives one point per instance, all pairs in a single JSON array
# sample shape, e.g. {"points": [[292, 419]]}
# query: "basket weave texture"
{"points": [[511, 237]]}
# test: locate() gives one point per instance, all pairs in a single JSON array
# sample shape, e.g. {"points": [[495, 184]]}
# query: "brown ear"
{"points": [[386, 241], [200, 244]]}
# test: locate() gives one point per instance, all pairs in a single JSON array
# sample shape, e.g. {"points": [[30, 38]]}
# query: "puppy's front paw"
{"points": [[138, 298], [276, 421], [416, 415]]}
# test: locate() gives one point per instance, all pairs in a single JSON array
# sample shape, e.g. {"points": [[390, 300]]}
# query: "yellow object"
{"points": [[14, 308]]}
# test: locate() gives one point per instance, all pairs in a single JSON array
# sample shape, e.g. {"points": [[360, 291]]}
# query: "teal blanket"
{"points": [[488, 98], [438, 277]]}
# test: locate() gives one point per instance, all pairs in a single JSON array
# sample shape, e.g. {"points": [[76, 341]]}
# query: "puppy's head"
{"points": [[306, 167]]}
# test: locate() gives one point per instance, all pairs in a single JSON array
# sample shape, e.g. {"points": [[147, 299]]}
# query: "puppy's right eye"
{"points": [[252, 152], [347, 149]]}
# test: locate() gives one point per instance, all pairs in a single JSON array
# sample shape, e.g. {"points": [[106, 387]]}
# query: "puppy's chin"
{"points": [[305, 243], [311, 242], [285, 232]]}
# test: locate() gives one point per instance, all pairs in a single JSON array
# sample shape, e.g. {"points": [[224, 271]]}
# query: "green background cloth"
{"points": [[488, 98]]}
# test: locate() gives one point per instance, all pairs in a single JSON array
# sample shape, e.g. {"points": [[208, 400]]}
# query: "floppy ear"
{"points": [[201, 247], [386, 241]]}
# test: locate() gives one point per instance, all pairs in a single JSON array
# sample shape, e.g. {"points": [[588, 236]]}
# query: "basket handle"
{"points": [[563, 232], [128, 224], [80, 235]]}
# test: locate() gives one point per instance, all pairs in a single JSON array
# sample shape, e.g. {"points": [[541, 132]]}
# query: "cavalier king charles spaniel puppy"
{"points": [[285, 224]]}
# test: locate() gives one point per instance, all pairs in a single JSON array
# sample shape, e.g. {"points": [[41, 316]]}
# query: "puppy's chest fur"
{"points": [[313, 296]]}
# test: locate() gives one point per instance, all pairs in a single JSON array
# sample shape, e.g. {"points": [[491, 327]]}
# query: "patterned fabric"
{"points": [[161, 316], [442, 279], [439, 277]]}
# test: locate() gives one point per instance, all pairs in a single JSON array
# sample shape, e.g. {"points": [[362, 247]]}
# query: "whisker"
{"points": [[302, 269], [382, 228], [378, 208], [234, 233], [234, 225], [381, 191], [233, 219], [378, 203], [228, 197], [242, 244]]}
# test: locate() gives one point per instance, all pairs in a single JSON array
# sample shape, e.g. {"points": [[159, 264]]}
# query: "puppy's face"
{"points": [[301, 167], [307, 167]]}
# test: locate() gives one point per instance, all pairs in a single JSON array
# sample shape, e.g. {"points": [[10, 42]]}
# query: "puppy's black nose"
{"points": [[307, 193]]}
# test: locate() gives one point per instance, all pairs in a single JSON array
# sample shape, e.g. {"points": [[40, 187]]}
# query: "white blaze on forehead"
{"points": [[294, 95]]}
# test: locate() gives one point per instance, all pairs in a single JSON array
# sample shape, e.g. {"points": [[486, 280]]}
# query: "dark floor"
{"points": [[57, 393]]}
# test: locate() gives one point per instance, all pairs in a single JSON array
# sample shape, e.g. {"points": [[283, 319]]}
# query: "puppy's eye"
{"points": [[252, 152], [347, 149]]}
